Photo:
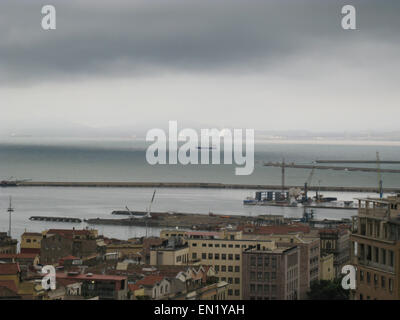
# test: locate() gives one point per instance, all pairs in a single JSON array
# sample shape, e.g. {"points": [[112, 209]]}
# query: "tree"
{"points": [[327, 290]]}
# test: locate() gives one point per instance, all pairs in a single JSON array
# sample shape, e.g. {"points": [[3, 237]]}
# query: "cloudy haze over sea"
{"points": [[267, 65]]}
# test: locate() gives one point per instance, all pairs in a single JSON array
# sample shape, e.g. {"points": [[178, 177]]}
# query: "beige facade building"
{"points": [[326, 269], [226, 258], [271, 274], [375, 249]]}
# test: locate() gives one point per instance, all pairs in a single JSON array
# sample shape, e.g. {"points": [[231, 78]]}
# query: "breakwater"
{"points": [[197, 185]]}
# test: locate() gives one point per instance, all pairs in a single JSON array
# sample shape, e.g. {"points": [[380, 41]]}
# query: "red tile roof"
{"points": [[31, 234], [150, 280], [9, 268], [277, 229], [133, 287], [18, 256], [10, 284]]}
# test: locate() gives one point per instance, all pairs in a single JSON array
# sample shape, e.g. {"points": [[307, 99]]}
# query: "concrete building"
{"points": [[326, 270], [59, 243], [105, 287], [309, 247], [7, 244], [375, 249], [173, 253], [30, 242], [336, 241], [225, 255], [271, 274]]}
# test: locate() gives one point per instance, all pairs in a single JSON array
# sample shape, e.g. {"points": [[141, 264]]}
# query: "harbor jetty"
{"points": [[55, 219], [342, 168], [197, 185]]}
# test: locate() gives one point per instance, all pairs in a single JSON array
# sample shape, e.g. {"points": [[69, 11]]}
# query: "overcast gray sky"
{"points": [[272, 65]]}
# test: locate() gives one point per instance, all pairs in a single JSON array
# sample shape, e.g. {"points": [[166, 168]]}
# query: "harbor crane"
{"points": [[380, 184], [308, 183]]}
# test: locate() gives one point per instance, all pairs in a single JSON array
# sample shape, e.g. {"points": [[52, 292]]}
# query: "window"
{"points": [[383, 282], [383, 252], [368, 277], [204, 245], [216, 268], [237, 269], [223, 256], [203, 256], [266, 276], [230, 280], [216, 256], [375, 279], [253, 261], [237, 245], [266, 288], [237, 292], [194, 244], [223, 268], [369, 250], [391, 258], [273, 275], [230, 268], [230, 246], [361, 275], [217, 245], [230, 256], [259, 276], [210, 256], [376, 255], [259, 288], [237, 256], [252, 275], [237, 280], [194, 255], [391, 285], [266, 261], [259, 261], [223, 245], [210, 245], [252, 288], [230, 292]]}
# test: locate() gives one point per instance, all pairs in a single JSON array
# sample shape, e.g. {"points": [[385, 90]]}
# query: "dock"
{"points": [[55, 219], [341, 168], [359, 161]]}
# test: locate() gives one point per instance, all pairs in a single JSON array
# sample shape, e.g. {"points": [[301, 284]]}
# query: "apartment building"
{"points": [[30, 242], [336, 241], [173, 252], [375, 248], [225, 255], [309, 247], [7, 244], [271, 274]]}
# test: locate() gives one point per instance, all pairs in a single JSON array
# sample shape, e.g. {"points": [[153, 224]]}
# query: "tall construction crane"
{"points": [[308, 183], [380, 184]]}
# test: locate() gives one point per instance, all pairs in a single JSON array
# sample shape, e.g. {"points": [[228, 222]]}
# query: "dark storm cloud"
{"points": [[131, 38]]}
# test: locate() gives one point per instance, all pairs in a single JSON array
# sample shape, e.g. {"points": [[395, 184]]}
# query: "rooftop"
{"points": [[9, 268], [99, 277]]}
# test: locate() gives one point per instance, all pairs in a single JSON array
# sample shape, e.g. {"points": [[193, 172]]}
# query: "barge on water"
{"points": [[55, 219]]}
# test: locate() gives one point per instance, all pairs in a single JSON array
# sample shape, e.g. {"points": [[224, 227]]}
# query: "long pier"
{"points": [[342, 168], [359, 161], [197, 185]]}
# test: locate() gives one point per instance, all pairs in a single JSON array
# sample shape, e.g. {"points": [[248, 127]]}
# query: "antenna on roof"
{"points": [[10, 210]]}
